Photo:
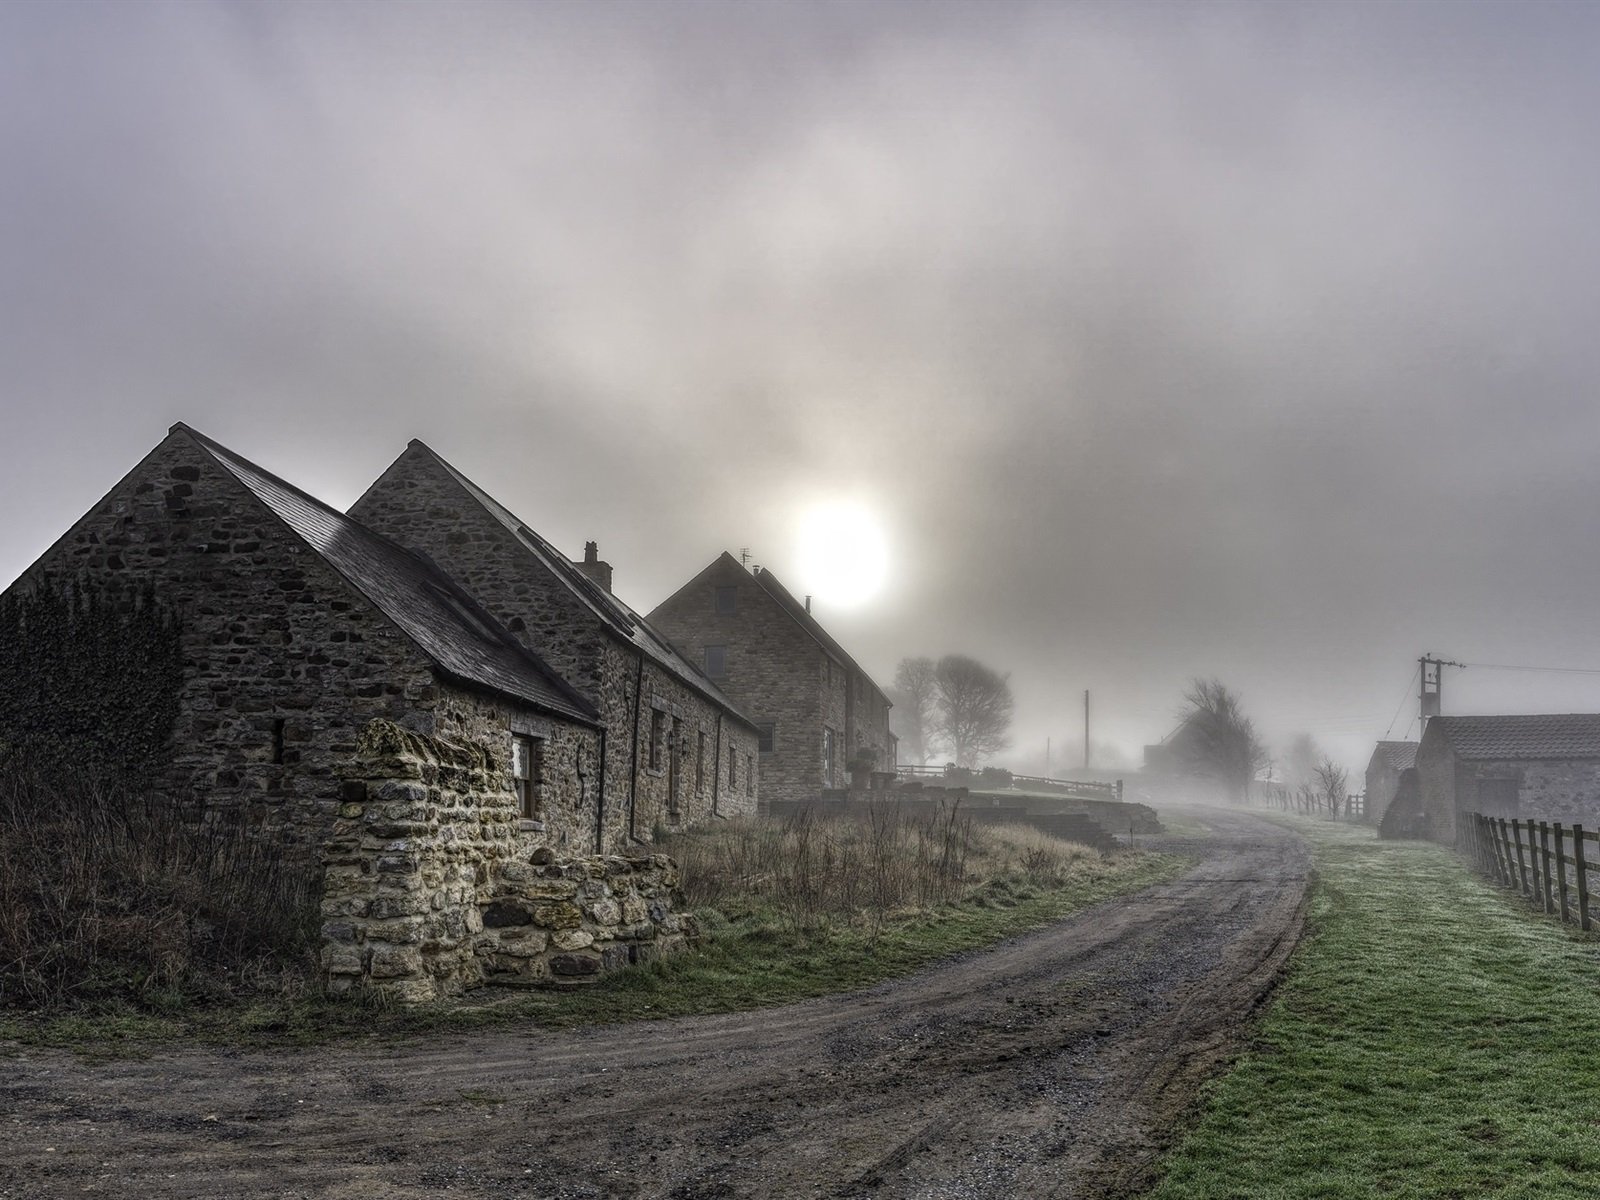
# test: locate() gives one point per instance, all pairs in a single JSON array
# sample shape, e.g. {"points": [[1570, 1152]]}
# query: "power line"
{"points": [[1404, 696], [1509, 667]]}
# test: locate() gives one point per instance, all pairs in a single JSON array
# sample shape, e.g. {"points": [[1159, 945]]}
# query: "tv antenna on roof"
{"points": [[744, 556]]}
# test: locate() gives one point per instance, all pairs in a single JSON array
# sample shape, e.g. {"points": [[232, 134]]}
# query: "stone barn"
{"points": [[1545, 767], [1383, 776], [210, 631], [677, 751], [821, 717]]}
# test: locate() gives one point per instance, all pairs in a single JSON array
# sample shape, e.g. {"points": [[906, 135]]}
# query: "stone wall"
{"points": [[420, 504], [431, 886]]}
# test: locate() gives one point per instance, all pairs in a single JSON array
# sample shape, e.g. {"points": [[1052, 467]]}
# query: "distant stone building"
{"points": [[819, 714], [1383, 776], [677, 750], [1546, 767]]}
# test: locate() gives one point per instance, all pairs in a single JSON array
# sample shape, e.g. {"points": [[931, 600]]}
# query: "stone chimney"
{"points": [[593, 567]]}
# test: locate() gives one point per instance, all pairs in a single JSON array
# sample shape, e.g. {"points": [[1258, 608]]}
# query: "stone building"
{"points": [[297, 626], [245, 645], [821, 717], [1383, 776], [1546, 767], [676, 749]]}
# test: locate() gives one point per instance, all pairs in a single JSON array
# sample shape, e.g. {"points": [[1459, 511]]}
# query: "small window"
{"points": [[700, 766], [527, 774], [727, 601], [749, 773], [764, 735], [827, 757], [658, 731], [277, 740], [733, 768], [717, 662]]}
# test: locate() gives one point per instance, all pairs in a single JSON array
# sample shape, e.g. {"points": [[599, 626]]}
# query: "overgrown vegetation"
{"points": [[790, 910], [1433, 1039], [89, 679], [111, 896]]}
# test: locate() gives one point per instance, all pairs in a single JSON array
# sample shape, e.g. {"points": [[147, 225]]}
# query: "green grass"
{"points": [[750, 959], [1434, 1038]]}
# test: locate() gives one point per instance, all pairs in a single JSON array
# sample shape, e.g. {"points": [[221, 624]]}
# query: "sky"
{"points": [[1253, 341]]}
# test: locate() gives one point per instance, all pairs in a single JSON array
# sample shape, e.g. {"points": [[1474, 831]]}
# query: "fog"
{"points": [[1251, 341]]}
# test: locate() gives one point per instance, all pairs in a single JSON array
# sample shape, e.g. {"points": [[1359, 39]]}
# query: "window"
{"points": [[726, 602], [700, 766], [527, 772], [827, 757], [749, 773], [765, 732], [733, 768], [277, 740], [658, 730], [717, 662]]}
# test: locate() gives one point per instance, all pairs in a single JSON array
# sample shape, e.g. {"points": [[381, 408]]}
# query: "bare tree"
{"points": [[915, 714], [974, 708], [1218, 742], [1333, 783]]}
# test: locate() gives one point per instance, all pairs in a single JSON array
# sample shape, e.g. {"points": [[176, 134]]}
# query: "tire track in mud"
{"points": [[1055, 1064]]}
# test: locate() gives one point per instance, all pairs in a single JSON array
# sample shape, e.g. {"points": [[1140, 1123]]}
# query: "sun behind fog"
{"points": [[844, 552]]}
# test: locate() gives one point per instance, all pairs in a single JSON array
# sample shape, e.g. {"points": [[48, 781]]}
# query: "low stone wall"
{"points": [[568, 920], [429, 889]]}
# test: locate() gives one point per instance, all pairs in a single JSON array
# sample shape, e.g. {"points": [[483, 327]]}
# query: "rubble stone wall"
{"points": [[431, 886]]}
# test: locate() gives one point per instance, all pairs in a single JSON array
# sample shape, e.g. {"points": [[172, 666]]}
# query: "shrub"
{"points": [[108, 894]]}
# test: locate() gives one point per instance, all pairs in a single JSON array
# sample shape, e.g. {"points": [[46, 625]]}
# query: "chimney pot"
{"points": [[593, 567]]}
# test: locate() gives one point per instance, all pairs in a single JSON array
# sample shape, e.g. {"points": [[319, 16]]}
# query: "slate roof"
{"points": [[618, 617], [1397, 756], [797, 610], [1553, 735], [443, 621]]}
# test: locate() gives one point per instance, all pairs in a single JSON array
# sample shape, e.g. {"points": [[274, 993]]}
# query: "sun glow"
{"points": [[843, 553]]}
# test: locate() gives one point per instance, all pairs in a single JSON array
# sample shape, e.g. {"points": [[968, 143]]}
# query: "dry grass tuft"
{"points": [[864, 868], [108, 895]]}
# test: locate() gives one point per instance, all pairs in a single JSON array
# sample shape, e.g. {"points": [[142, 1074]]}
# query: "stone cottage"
{"points": [[1383, 776], [820, 716], [1545, 767], [676, 749], [346, 697]]}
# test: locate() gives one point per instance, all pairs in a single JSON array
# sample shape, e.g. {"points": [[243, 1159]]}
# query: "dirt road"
{"points": [[1052, 1065]]}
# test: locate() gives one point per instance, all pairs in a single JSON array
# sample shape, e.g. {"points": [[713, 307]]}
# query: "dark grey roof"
{"points": [[1552, 735], [446, 624], [622, 620], [1397, 756], [798, 611]]}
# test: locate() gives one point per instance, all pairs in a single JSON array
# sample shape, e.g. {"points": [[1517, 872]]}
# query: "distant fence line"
{"points": [[1546, 862], [996, 777]]}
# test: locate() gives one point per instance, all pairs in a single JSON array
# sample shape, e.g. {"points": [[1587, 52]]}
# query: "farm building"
{"points": [[1546, 767], [821, 717], [1383, 776]]}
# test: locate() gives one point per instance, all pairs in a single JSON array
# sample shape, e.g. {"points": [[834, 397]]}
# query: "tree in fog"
{"points": [[1332, 782], [974, 708], [1301, 760], [915, 714], [1218, 741]]}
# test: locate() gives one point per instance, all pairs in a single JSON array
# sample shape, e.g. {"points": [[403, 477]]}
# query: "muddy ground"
{"points": [[1052, 1065]]}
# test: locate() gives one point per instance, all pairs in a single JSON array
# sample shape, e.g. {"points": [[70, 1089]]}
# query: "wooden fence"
{"points": [[1544, 860]]}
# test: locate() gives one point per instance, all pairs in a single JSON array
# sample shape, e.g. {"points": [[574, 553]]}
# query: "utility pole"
{"points": [[1429, 698], [1085, 729]]}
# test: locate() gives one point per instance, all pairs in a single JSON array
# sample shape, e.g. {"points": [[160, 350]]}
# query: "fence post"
{"points": [[1516, 841], [1533, 864], [1583, 876], [1505, 849], [1561, 874], [1544, 853]]}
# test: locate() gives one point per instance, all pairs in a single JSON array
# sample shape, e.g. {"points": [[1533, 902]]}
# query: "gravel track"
{"points": [[1052, 1065]]}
